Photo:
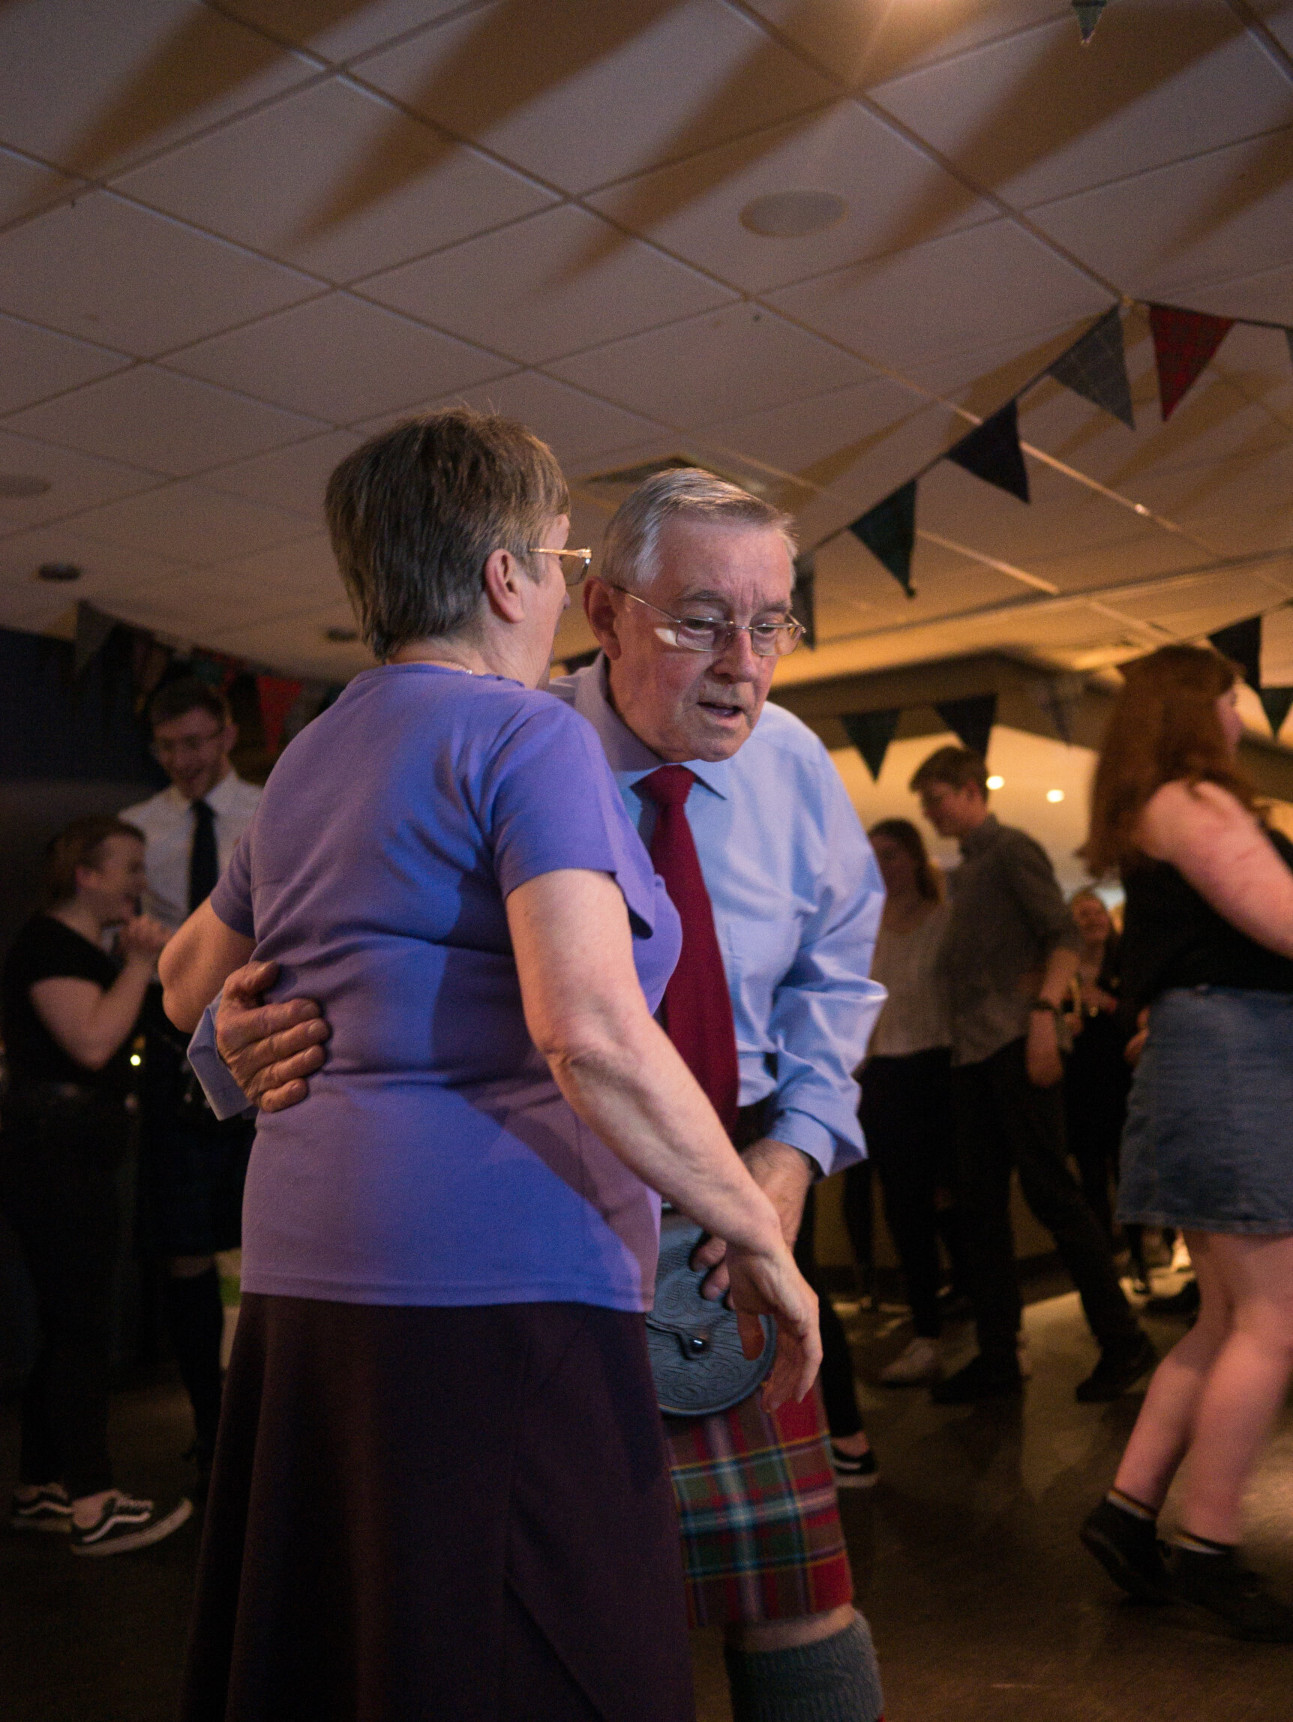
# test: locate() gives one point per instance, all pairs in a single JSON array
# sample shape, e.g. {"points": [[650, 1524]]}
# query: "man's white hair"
{"points": [[630, 546]]}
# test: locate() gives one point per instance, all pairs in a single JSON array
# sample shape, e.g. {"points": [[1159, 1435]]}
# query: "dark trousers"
{"points": [[59, 1193], [838, 1393], [907, 1120], [1004, 1121]]}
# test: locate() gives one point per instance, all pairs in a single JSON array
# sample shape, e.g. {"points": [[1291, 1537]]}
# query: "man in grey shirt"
{"points": [[1009, 958]]}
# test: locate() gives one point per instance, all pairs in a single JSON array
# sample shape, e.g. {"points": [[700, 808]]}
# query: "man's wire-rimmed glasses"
{"points": [[707, 634], [582, 559]]}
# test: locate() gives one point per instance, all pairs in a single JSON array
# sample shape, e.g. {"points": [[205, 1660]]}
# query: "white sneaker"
{"points": [[920, 1362]]}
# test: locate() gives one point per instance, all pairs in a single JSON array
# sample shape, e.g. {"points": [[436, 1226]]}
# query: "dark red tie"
{"points": [[697, 1010]]}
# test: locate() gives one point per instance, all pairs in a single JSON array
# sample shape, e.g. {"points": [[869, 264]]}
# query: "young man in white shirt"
{"points": [[192, 1165]]}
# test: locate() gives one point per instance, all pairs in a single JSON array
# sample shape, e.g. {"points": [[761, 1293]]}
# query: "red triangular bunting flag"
{"points": [[277, 696], [1184, 341]]}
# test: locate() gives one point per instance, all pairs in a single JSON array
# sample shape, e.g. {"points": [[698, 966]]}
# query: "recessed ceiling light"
{"points": [[996, 783], [22, 484], [58, 571], [1054, 795], [341, 636], [793, 214]]}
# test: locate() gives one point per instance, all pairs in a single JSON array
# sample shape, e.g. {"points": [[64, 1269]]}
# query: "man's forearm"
{"points": [[1061, 967]]}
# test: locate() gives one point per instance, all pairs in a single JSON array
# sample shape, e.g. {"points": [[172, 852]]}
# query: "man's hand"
{"points": [[1042, 1051], [270, 1049], [785, 1176]]}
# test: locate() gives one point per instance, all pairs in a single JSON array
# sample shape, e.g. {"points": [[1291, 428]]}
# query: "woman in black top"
{"points": [[68, 1013], [1208, 1147]]}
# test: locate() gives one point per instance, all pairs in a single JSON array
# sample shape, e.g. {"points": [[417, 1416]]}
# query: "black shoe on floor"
{"points": [[1114, 1376], [1129, 1551], [975, 1381], [1236, 1597], [126, 1524], [854, 1470]]}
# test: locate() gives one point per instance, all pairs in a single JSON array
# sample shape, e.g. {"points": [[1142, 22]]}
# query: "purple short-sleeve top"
{"points": [[434, 1160]]}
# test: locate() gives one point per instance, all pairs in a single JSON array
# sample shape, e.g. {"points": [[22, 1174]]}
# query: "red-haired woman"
{"points": [[1208, 1147]]}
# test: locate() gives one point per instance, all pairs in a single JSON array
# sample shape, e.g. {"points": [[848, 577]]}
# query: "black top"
{"points": [[1173, 938], [45, 949]]}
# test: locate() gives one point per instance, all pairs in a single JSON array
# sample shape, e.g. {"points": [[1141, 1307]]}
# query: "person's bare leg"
{"points": [[790, 1634], [1246, 1385], [1165, 1426]]}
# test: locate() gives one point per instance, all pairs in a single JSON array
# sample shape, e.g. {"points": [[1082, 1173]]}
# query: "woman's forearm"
{"points": [[196, 964], [90, 1022]]}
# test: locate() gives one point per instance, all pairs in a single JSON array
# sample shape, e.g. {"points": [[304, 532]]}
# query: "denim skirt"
{"points": [[1208, 1144]]}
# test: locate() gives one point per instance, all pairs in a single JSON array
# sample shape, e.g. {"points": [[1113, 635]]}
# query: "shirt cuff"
{"points": [[227, 1100], [822, 1146]]}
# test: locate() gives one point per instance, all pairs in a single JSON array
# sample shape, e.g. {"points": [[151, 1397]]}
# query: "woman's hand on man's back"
{"points": [[270, 1049]]}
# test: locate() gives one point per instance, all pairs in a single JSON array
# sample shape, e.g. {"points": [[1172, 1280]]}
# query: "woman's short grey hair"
{"points": [[631, 542], [415, 513]]}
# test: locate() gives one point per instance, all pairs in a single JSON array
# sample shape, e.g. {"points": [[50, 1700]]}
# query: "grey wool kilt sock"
{"points": [[834, 1680]]}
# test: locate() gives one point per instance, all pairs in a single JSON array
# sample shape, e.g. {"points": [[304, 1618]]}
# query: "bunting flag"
{"points": [[871, 733], [802, 605], [1059, 698], [970, 720], [149, 662], [92, 629], [889, 532], [991, 451], [1276, 703], [1242, 644], [1184, 341], [277, 695], [1088, 16], [1095, 367]]}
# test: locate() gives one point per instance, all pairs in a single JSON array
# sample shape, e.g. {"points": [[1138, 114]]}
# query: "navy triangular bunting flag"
{"points": [[802, 606], [1242, 644], [92, 629], [970, 720], [991, 451], [1276, 703], [871, 733], [889, 532], [1095, 367]]}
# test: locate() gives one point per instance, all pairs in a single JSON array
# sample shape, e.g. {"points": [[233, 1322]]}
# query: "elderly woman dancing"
{"points": [[440, 1488], [1208, 1146]]}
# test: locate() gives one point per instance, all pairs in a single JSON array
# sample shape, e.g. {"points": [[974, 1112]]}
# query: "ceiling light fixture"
{"points": [[996, 783], [793, 214], [1088, 16], [58, 571], [18, 484], [1054, 795]]}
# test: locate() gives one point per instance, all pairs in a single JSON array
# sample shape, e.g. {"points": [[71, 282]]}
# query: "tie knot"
{"points": [[669, 786], [203, 812]]}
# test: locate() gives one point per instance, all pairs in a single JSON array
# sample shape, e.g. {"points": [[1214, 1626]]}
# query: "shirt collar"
{"points": [[981, 838], [630, 757], [222, 799]]}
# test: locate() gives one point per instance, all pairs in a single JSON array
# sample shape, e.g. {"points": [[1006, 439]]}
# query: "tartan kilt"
{"points": [[761, 1532]]}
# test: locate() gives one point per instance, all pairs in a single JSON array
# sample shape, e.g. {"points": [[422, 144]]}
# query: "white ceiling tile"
{"points": [[712, 368], [578, 427], [189, 524], [108, 570], [551, 285], [293, 478], [337, 30], [895, 197], [992, 282], [339, 359], [862, 45], [297, 645], [357, 185], [163, 421], [109, 271], [90, 87], [293, 576], [1277, 15], [1203, 220], [1038, 117], [982, 378], [26, 186], [580, 93], [75, 481], [1266, 296], [35, 363], [824, 428]]}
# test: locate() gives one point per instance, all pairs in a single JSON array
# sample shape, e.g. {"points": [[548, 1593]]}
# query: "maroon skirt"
{"points": [[426, 1513]]}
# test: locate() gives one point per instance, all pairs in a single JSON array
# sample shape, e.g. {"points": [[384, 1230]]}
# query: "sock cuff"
{"points": [[1129, 1504], [834, 1680], [1198, 1545]]}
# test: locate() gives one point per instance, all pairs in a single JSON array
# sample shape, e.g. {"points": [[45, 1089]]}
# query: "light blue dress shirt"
{"points": [[797, 898]]}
